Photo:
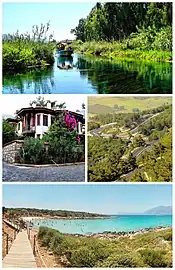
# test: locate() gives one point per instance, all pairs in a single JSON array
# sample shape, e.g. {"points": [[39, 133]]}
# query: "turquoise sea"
{"points": [[116, 223]]}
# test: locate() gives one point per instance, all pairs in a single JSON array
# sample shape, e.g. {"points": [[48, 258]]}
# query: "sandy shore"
{"points": [[63, 218]]}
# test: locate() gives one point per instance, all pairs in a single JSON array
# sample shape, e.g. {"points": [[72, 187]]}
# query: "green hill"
{"points": [[103, 105]]}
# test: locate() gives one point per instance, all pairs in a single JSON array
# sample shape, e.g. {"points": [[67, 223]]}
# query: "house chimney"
{"points": [[48, 105]]}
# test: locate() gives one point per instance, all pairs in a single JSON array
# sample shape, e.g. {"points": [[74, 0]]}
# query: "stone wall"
{"points": [[11, 150]]}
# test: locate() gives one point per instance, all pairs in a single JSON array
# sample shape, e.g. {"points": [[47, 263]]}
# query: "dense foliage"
{"points": [[8, 132], [21, 51], [155, 165], [34, 212], [133, 30], [105, 159], [135, 147], [152, 249]]}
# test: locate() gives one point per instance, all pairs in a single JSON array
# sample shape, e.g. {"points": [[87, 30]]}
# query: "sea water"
{"points": [[116, 223]]}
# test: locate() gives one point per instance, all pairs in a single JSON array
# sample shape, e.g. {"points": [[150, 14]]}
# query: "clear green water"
{"points": [[119, 223], [93, 75]]}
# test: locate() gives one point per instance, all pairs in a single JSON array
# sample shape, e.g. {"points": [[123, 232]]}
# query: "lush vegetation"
{"points": [[21, 51], [135, 147], [60, 145], [8, 132], [132, 30], [34, 212], [152, 249], [155, 165]]}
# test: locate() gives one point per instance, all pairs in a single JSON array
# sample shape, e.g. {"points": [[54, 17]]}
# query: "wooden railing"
{"points": [[7, 241], [36, 249]]}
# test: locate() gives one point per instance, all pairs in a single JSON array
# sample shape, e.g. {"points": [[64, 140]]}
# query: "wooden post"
{"points": [[29, 234], [14, 234], [7, 244], [34, 245]]}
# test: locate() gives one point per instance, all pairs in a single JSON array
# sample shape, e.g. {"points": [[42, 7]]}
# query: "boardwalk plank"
{"points": [[20, 254]]}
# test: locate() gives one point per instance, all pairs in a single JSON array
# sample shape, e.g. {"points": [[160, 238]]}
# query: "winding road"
{"points": [[72, 173], [97, 131]]}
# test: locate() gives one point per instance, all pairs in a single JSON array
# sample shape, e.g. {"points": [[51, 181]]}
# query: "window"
{"points": [[18, 126], [38, 119], [45, 120]]}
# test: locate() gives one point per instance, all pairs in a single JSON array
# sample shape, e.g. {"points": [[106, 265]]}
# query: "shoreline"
{"points": [[129, 54], [113, 235], [65, 218]]}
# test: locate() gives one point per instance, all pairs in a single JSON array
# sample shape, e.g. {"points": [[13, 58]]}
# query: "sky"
{"points": [[9, 105], [62, 16], [97, 198]]}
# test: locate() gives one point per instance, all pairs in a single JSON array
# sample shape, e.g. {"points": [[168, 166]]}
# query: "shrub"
{"points": [[83, 257], [33, 151], [154, 258], [9, 132]]}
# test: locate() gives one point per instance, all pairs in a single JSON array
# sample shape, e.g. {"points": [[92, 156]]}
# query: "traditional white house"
{"points": [[35, 121]]}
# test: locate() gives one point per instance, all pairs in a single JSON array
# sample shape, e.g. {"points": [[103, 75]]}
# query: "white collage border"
{"points": [[81, 183]]}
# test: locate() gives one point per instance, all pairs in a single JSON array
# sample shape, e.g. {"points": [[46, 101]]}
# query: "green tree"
{"points": [[8, 132]]}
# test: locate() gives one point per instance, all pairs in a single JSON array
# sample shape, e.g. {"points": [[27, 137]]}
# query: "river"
{"points": [[93, 75]]}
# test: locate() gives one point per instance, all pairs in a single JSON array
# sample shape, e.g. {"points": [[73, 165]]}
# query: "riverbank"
{"points": [[25, 51], [113, 50]]}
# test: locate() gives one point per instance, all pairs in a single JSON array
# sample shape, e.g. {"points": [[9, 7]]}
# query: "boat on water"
{"points": [[64, 51]]}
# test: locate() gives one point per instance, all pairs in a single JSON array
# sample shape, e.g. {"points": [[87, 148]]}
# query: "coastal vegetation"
{"points": [[130, 146], [151, 249], [34, 212], [126, 30], [23, 51]]}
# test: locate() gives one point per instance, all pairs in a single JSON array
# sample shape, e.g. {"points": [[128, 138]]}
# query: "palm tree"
{"points": [[43, 103]]}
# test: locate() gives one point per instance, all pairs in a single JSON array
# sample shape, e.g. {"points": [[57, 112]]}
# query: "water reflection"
{"points": [[89, 74], [126, 76], [39, 81]]}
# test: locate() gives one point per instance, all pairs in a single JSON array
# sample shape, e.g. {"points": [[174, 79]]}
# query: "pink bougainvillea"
{"points": [[70, 121], [78, 139]]}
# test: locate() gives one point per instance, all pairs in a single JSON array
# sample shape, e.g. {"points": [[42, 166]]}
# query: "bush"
{"points": [[121, 260], [8, 132], [154, 258], [83, 257], [33, 152]]}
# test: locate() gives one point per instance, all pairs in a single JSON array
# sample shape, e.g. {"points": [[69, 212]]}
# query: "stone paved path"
{"points": [[20, 254], [73, 173]]}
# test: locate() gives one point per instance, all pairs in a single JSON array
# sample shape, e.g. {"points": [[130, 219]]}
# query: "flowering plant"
{"points": [[70, 121]]}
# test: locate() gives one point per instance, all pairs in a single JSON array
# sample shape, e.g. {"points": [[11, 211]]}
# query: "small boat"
{"points": [[63, 51]]}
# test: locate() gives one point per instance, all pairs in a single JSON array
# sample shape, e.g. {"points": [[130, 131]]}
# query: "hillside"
{"points": [[34, 212], [131, 146], [103, 105]]}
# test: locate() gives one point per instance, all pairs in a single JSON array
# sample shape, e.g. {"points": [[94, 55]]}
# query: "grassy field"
{"points": [[103, 105]]}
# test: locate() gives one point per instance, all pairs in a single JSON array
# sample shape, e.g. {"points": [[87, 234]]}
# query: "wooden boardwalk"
{"points": [[20, 254]]}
